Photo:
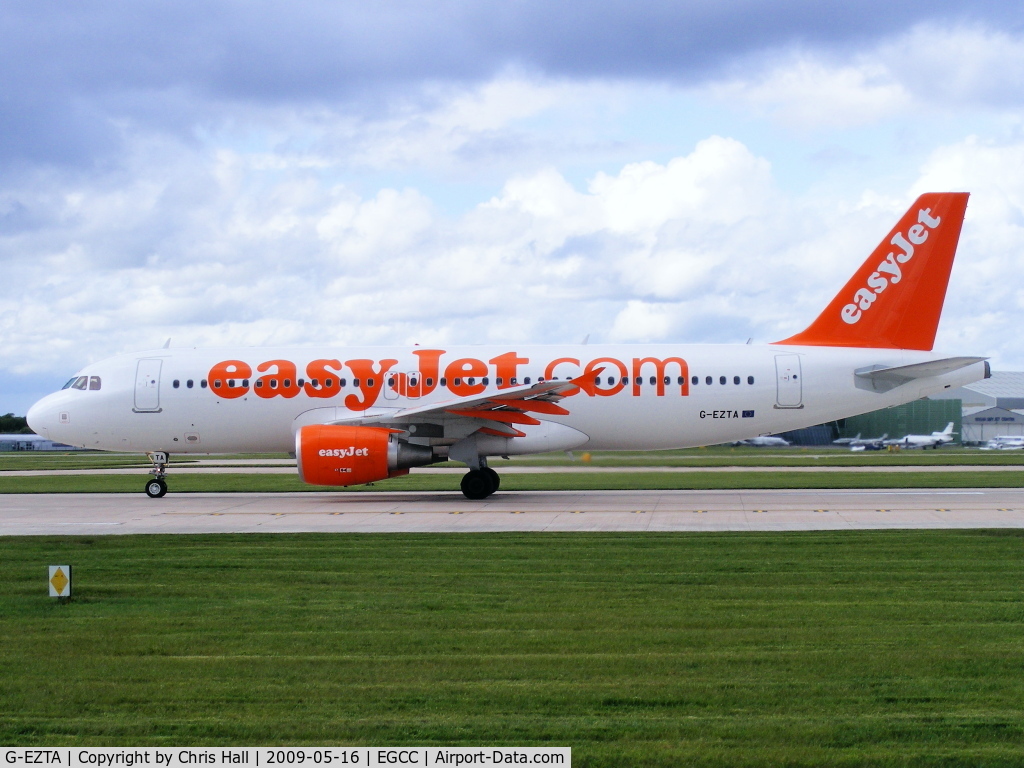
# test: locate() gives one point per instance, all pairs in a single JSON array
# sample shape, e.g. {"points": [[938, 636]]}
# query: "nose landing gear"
{"points": [[157, 486]]}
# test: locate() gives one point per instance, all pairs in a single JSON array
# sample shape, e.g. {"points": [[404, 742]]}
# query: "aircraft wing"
{"points": [[882, 379], [493, 413]]}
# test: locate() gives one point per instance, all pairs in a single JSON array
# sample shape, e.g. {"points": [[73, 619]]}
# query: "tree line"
{"points": [[14, 425]]}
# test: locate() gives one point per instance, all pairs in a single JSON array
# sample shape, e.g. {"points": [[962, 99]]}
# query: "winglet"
{"points": [[894, 300]]}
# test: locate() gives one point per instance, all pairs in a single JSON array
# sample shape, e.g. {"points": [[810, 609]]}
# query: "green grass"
{"points": [[797, 649], [555, 481]]}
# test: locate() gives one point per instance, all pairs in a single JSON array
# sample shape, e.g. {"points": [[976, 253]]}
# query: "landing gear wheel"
{"points": [[495, 478], [155, 488], [477, 484]]}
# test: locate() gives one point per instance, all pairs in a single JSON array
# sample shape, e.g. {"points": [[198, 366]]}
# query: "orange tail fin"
{"points": [[894, 300]]}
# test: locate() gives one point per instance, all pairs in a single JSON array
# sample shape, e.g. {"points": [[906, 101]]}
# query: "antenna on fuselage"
{"points": [[167, 344]]}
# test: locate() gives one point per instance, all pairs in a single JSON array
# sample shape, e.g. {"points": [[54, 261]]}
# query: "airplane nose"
{"points": [[39, 417]]}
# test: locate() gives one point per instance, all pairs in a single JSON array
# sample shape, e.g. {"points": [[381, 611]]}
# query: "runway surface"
{"points": [[102, 514]]}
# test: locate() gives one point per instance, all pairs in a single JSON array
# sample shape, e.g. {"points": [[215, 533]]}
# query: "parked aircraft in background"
{"points": [[1004, 443], [868, 443], [764, 441], [355, 416], [845, 440], [934, 440]]}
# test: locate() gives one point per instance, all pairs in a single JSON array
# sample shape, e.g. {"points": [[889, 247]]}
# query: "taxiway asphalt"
{"points": [[380, 512]]}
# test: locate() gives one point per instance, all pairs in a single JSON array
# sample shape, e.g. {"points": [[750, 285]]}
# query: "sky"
{"points": [[442, 172]]}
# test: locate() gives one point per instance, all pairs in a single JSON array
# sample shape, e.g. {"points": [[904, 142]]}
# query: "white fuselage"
{"points": [[165, 400]]}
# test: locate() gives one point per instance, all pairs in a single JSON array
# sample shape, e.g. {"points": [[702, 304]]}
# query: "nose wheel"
{"points": [[480, 483], [156, 487]]}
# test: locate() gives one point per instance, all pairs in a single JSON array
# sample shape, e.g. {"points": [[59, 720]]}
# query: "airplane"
{"points": [[934, 440], [359, 415], [859, 443], [845, 440], [763, 441], [1004, 443]]}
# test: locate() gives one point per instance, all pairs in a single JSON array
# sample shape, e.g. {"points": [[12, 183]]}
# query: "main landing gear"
{"points": [[157, 486], [480, 483]]}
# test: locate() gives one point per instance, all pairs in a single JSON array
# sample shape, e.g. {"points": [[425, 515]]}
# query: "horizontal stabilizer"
{"points": [[880, 378]]}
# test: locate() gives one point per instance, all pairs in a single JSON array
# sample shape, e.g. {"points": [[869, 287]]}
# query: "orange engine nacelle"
{"points": [[336, 455]]}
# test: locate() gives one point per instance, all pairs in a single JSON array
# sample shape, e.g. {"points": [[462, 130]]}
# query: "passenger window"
{"points": [[259, 383], [721, 379], [315, 383], [369, 382], [287, 383], [485, 381], [330, 382], [498, 381], [94, 382], [231, 383], [668, 380], [444, 382], [695, 380], [245, 382], [708, 380], [653, 381], [216, 383], [300, 382], [430, 382], [625, 380], [391, 381], [526, 380], [735, 379], [457, 382], [202, 383], [471, 380], [681, 380], [189, 383], [750, 379], [611, 380], [511, 381], [175, 383]]}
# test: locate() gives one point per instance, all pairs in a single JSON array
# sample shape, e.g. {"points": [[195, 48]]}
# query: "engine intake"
{"points": [[329, 454]]}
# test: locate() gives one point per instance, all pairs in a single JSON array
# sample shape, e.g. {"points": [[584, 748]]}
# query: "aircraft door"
{"points": [[789, 382], [407, 384], [392, 385], [147, 386], [414, 387]]}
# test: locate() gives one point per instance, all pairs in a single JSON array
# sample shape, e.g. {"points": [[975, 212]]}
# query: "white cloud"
{"points": [[807, 93], [928, 70]]}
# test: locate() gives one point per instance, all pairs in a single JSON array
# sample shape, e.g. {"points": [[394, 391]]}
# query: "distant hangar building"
{"points": [[990, 407]]}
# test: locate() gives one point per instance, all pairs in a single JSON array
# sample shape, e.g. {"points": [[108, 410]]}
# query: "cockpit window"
{"points": [[81, 382], [94, 382], [71, 381]]}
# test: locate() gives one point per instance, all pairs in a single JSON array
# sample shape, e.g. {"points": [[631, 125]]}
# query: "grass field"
{"points": [[693, 480], [840, 648]]}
